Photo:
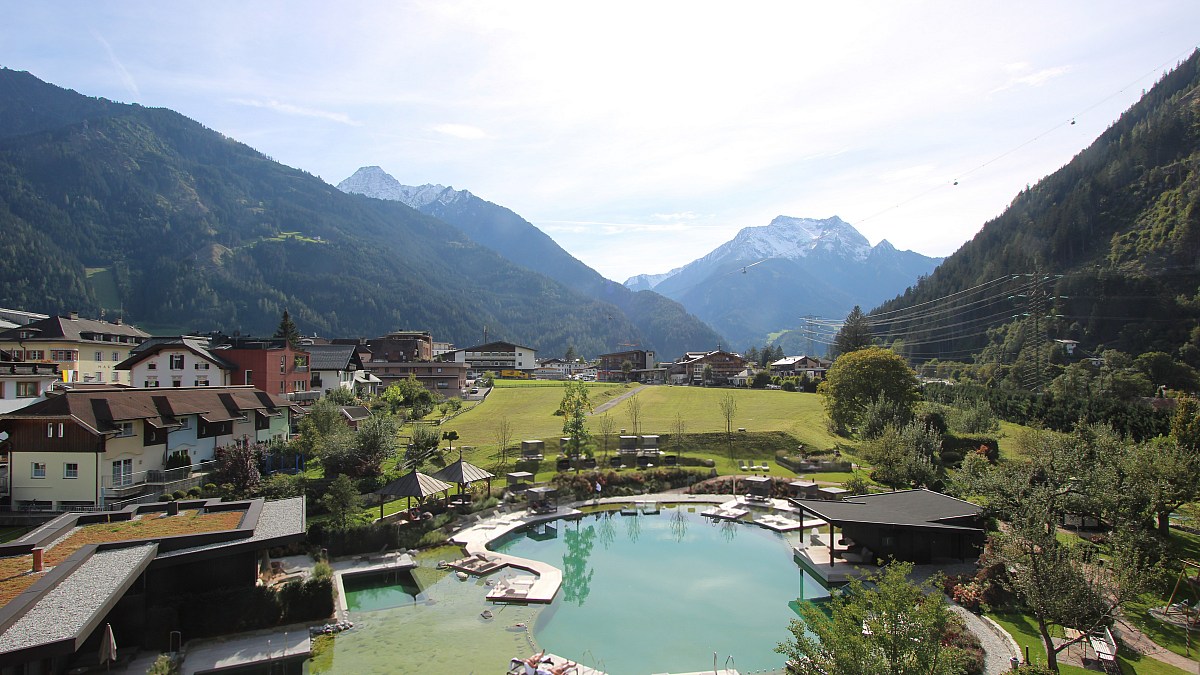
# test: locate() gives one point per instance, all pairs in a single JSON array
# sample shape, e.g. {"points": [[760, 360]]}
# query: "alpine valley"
{"points": [[122, 210]]}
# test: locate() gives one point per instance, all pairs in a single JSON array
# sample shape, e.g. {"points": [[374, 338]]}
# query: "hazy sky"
{"points": [[641, 135]]}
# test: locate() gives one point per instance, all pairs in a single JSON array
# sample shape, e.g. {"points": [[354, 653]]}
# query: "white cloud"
{"points": [[290, 109], [122, 72], [463, 131]]}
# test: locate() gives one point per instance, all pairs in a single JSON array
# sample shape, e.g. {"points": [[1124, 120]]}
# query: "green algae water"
{"points": [[641, 594]]}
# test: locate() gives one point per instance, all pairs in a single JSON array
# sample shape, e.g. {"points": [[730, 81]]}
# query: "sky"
{"points": [[641, 135]]}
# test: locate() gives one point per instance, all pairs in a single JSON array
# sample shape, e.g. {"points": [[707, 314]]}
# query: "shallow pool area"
{"points": [[640, 594]]}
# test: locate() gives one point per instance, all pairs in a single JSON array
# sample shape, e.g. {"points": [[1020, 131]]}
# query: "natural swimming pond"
{"points": [[652, 594], [641, 594]]}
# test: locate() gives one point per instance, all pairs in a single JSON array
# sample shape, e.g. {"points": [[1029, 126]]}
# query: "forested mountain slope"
{"points": [[145, 213], [1105, 251], [662, 324]]}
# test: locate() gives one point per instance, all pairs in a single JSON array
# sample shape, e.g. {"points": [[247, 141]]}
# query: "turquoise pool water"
{"points": [[661, 593]]}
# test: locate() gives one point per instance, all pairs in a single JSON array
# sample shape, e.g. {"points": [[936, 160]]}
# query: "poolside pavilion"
{"points": [[462, 473], [918, 526], [412, 484]]}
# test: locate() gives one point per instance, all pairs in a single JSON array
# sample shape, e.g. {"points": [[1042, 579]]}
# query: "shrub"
{"points": [[177, 495], [194, 491], [164, 497], [178, 460], [432, 538]]}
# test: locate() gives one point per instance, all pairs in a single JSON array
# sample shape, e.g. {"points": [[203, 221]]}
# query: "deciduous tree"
{"points": [[859, 377], [891, 626], [575, 408], [341, 500], [633, 410], [728, 406]]}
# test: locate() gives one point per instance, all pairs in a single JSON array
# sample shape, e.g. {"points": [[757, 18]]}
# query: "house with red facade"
{"points": [[269, 364]]}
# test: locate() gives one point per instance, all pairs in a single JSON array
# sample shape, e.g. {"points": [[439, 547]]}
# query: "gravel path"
{"points": [[998, 647], [604, 407]]}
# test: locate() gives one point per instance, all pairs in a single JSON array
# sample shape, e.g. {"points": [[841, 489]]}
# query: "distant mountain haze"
{"points": [[661, 324], [767, 278]]}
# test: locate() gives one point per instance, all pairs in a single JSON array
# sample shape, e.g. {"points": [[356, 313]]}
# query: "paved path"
{"points": [[1135, 639], [607, 405]]}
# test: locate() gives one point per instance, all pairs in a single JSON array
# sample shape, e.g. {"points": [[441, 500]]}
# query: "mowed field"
{"points": [[530, 412]]}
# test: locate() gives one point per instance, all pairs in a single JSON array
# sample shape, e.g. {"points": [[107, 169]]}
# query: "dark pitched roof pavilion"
{"points": [[922, 509]]}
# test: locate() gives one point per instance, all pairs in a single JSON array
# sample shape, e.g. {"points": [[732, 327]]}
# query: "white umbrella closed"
{"points": [[108, 646]]}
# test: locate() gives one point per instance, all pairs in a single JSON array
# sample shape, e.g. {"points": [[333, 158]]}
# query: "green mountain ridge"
{"points": [[662, 325], [200, 230], [1104, 251]]}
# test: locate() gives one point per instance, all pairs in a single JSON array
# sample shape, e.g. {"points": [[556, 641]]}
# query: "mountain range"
{"points": [[766, 279], [123, 210], [662, 325]]}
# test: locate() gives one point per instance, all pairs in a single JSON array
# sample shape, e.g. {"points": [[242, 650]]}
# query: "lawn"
{"points": [[774, 420], [1024, 630], [1184, 546]]}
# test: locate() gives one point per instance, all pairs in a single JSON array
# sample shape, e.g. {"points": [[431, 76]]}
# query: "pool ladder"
{"points": [[729, 661]]}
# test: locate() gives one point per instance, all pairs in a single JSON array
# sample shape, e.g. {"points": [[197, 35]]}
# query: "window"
{"points": [[177, 362], [281, 386], [176, 382], [201, 381], [62, 355], [70, 470], [282, 365], [125, 429], [34, 355], [27, 389], [152, 366], [38, 470], [185, 422], [114, 375], [116, 356], [122, 473], [99, 356], [151, 381], [249, 377], [202, 366]]}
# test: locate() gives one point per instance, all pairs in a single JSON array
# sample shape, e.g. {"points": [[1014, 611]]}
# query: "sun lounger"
{"points": [[766, 467], [742, 464]]}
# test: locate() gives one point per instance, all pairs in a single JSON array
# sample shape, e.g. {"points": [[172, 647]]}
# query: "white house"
{"points": [[23, 383], [183, 361], [497, 356]]}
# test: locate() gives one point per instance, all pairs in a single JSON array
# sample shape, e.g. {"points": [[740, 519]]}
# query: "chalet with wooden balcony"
{"points": [[106, 448]]}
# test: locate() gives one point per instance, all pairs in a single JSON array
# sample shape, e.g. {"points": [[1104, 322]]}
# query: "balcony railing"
{"points": [[163, 477]]}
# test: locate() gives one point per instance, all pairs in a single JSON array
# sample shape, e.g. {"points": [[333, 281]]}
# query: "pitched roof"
{"points": [[74, 329], [495, 346], [330, 357], [101, 409], [463, 472], [414, 484], [906, 508], [156, 345]]}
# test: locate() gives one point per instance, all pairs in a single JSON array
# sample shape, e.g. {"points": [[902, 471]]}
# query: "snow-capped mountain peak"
{"points": [[792, 238], [373, 181]]}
